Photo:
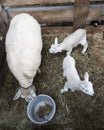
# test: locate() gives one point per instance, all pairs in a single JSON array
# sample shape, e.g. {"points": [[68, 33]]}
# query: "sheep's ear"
{"points": [[56, 41], [86, 76], [17, 95], [33, 91]]}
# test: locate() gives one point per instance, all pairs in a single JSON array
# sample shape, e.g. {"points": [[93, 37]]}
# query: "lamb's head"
{"points": [[86, 86], [55, 47], [26, 93]]}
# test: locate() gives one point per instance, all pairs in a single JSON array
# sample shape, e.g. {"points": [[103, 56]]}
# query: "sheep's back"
{"points": [[23, 46]]}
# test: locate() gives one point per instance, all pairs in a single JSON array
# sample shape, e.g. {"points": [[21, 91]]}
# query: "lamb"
{"points": [[23, 52], [77, 37], [73, 80]]}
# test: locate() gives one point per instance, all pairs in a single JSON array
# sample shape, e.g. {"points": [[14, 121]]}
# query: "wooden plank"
{"points": [[81, 11], [58, 14], [56, 30], [96, 12], [35, 2], [68, 29], [49, 16]]}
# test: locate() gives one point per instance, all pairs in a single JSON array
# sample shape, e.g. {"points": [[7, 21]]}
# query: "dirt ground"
{"points": [[75, 110]]}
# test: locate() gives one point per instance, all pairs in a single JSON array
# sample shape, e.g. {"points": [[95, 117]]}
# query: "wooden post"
{"points": [[81, 11]]}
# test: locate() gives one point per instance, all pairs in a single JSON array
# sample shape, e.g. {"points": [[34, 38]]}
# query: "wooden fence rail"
{"points": [[58, 14], [40, 2]]}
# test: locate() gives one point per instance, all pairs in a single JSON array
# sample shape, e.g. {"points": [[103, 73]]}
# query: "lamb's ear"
{"points": [[86, 76], [17, 95], [56, 41]]}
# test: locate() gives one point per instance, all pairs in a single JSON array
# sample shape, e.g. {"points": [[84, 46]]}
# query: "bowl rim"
{"points": [[53, 113]]}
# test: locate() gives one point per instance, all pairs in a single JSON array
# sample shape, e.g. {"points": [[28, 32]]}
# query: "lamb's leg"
{"points": [[65, 89], [85, 45], [68, 52]]}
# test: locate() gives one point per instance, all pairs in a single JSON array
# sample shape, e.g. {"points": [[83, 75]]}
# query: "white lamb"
{"points": [[73, 80], [23, 52], [77, 37]]}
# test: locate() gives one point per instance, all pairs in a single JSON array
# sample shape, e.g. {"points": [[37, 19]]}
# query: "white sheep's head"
{"points": [[55, 47], [86, 86], [26, 93]]}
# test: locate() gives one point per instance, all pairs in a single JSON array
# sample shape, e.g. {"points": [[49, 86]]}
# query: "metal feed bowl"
{"points": [[35, 105]]}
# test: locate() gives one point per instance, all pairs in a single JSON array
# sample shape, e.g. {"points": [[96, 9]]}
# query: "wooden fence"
{"points": [[55, 12]]}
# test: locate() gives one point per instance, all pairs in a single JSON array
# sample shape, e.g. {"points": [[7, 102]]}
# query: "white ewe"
{"points": [[77, 37], [73, 80], [23, 52]]}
